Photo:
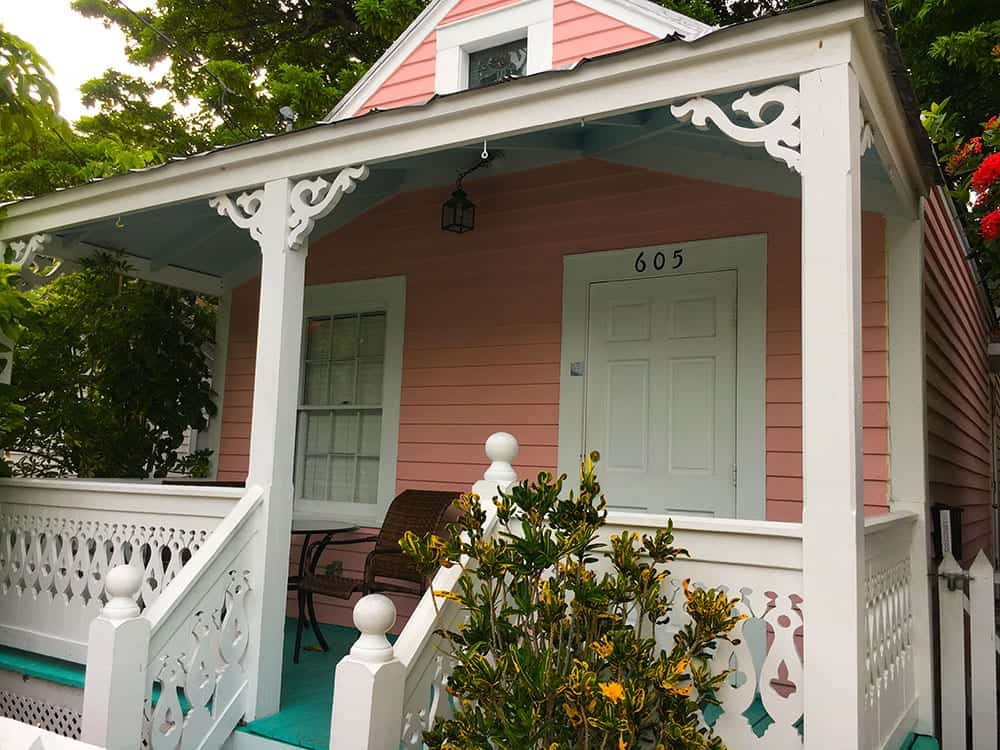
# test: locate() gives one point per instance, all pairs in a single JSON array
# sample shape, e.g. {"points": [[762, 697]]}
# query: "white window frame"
{"points": [[386, 295], [747, 255], [531, 19]]}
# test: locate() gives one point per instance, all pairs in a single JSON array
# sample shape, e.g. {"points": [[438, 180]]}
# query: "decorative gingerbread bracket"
{"points": [[780, 136], [309, 200]]}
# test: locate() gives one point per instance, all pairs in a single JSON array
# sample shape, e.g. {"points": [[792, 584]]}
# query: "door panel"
{"points": [[661, 392]]}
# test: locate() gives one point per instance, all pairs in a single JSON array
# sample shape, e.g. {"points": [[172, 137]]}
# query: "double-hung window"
{"points": [[348, 414]]}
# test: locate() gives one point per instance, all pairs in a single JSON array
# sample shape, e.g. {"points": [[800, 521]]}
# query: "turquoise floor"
{"points": [[306, 690]]}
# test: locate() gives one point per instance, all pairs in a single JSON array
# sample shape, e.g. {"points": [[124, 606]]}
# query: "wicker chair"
{"points": [[387, 569]]}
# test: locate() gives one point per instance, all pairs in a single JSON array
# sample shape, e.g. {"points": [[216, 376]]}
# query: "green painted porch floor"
{"points": [[306, 690]]}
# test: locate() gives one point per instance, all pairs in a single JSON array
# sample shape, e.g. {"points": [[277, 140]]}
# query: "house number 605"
{"points": [[659, 261]]}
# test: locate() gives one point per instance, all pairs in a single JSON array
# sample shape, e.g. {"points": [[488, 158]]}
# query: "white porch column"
{"points": [[833, 541], [272, 438], [280, 218], [908, 435]]}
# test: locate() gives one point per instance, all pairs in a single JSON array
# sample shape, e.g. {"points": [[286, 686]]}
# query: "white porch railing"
{"points": [[59, 538], [890, 685], [386, 695], [190, 641]]}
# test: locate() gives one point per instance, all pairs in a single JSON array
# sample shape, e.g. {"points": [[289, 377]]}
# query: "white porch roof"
{"points": [[615, 107]]}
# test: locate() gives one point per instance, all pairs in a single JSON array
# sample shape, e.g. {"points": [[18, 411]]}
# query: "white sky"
{"points": [[76, 48]]}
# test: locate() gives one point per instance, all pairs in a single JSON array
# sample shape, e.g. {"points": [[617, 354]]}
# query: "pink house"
{"points": [[721, 257]]}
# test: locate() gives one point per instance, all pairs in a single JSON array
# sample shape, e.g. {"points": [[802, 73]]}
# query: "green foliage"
{"points": [[110, 371], [556, 652], [28, 99], [952, 48], [14, 306]]}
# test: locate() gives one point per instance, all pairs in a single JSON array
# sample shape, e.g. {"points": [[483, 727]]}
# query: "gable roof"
{"points": [[642, 15]]}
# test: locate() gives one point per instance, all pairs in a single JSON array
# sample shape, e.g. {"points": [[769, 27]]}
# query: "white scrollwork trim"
{"points": [[311, 200], [244, 212], [780, 136], [25, 250]]}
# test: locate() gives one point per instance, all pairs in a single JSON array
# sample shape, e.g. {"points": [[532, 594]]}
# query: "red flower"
{"points": [[989, 225], [976, 144], [993, 122], [987, 173]]}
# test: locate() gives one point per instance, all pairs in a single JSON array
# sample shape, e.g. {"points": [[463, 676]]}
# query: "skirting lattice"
{"points": [[56, 719]]}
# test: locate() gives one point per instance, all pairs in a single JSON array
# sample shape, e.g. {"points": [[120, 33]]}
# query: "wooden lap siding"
{"points": [[958, 382], [483, 316], [579, 31]]}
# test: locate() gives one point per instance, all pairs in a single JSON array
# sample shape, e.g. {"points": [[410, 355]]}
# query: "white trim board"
{"points": [[747, 255], [385, 294]]}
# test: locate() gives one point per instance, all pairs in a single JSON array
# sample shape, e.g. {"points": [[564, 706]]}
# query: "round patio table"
{"points": [[306, 528]]}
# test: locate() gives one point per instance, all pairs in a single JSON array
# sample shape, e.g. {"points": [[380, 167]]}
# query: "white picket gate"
{"points": [[968, 694]]}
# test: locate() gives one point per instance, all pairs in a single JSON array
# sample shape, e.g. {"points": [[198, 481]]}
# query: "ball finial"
{"points": [[122, 583], [373, 616], [501, 446], [501, 449]]}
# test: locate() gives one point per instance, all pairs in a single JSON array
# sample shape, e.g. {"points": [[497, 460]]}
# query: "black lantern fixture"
{"points": [[458, 214]]}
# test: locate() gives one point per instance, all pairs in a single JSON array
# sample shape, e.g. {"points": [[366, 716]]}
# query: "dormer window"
{"points": [[498, 63]]}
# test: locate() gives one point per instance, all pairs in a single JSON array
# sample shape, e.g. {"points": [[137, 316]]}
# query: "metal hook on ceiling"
{"points": [[486, 154]]}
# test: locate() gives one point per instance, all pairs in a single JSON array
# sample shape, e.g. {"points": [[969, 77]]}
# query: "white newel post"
{"points": [[833, 541], [117, 657], [369, 682], [280, 218], [907, 435]]}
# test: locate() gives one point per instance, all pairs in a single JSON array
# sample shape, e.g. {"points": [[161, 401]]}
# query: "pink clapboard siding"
{"points": [[579, 31], [958, 382], [411, 83], [483, 315]]}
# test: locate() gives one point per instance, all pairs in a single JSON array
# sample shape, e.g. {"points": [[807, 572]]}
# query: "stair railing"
{"points": [[386, 695], [172, 676]]}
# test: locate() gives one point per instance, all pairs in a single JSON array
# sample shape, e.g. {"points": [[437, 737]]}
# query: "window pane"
{"points": [[317, 384], [343, 383], [373, 335], [318, 433], [315, 483], [498, 63], [318, 338], [345, 433], [342, 478], [370, 383], [371, 433], [345, 337], [367, 480]]}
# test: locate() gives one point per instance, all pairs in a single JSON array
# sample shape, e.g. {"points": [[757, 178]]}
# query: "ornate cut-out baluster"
{"points": [[168, 717], [740, 688], [780, 681]]}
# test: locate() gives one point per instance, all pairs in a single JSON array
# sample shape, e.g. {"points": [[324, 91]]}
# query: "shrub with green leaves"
{"points": [[556, 650]]}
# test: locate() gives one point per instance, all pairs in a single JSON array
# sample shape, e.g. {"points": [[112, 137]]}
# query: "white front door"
{"points": [[660, 401]]}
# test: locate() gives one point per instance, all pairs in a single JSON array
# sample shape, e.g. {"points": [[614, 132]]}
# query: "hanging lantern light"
{"points": [[458, 214]]}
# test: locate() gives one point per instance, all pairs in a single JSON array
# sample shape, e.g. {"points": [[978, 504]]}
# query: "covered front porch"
{"points": [[712, 278]]}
